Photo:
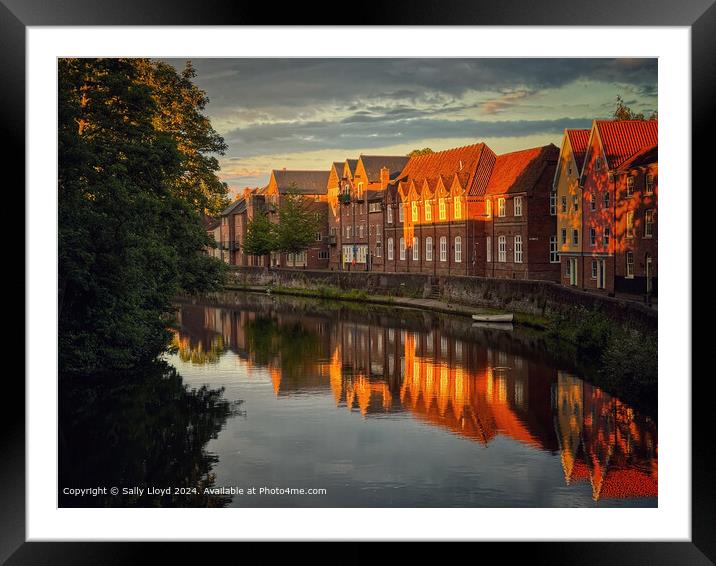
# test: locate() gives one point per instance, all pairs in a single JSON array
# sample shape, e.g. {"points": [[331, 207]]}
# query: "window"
{"points": [[568, 268], [598, 164], [630, 224], [606, 236], [592, 203], [489, 248], [458, 249], [428, 211], [390, 214], [649, 223], [457, 208], [553, 255], [390, 249], [563, 202], [575, 237], [518, 206], [488, 208], [518, 249], [575, 203], [593, 236], [374, 207], [500, 207], [348, 231], [401, 212], [378, 233], [323, 254], [553, 204], [502, 249], [630, 265], [414, 211], [402, 248], [564, 236], [606, 199], [378, 250], [428, 249], [416, 249], [630, 186], [441, 208], [360, 231], [594, 270], [443, 248], [319, 236], [649, 186]]}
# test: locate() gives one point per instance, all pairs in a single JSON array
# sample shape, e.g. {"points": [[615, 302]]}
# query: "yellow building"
{"points": [[567, 203]]}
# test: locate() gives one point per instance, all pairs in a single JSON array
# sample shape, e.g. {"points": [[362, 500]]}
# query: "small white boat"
{"points": [[493, 325], [493, 317]]}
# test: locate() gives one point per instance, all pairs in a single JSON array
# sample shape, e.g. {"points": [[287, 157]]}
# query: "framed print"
{"points": [[397, 280]]}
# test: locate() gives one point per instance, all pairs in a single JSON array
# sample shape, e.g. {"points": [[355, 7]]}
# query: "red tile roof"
{"points": [[623, 138], [646, 156], [446, 163], [519, 171], [579, 139]]}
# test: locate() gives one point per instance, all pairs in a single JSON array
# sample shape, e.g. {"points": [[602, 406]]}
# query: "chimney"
{"points": [[384, 177]]}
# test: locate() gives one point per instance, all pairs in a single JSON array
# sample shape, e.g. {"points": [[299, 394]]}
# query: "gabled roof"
{"points": [[467, 159], [305, 182], [374, 163], [578, 140], [623, 138], [352, 166], [646, 156], [233, 206], [209, 222], [519, 171]]}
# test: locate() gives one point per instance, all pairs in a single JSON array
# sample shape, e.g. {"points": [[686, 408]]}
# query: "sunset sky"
{"points": [[306, 113]]}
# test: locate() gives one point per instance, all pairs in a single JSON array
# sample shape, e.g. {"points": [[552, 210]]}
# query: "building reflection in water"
{"points": [[464, 384]]}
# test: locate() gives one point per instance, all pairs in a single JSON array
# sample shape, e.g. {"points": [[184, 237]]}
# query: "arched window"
{"points": [[443, 248], [428, 249], [390, 249], [416, 249], [402, 248], [458, 249]]}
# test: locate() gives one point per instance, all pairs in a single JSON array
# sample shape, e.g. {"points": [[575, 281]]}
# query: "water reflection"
{"points": [[139, 430], [477, 384]]}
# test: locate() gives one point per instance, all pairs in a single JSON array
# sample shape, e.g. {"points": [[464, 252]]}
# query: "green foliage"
{"points": [[417, 152], [623, 112], [130, 193], [297, 225], [260, 238]]}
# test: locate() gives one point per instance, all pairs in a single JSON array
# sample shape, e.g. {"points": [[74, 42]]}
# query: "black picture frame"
{"points": [[17, 15]]}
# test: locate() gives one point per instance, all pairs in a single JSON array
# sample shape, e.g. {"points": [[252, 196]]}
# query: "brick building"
{"points": [[612, 143], [312, 186], [519, 228], [567, 205]]}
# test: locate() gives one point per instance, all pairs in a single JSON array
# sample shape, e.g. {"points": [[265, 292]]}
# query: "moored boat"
{"points": [[493, 317]]}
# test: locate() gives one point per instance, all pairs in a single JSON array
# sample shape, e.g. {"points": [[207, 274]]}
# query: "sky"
{"points": [[307, 113]]}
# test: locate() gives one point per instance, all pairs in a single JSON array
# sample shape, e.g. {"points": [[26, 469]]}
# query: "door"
{"points": [[601, 274]]}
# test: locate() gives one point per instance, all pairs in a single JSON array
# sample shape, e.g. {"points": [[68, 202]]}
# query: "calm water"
{"points": [[376, 406], [403, 408]]}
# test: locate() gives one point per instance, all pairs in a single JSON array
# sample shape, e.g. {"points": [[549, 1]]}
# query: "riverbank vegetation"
{"points": [[137, 170]]}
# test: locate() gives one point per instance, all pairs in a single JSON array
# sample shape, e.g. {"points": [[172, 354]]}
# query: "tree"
{"points": [[130, 193], [417, 152], [623, 112], [260, 239], [298, 222]]}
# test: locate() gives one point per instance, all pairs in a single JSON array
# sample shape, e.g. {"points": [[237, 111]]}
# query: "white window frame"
{"points": [[488, 245], [488, 208], [416, 249], [630, 185], [649, 223], [501, 207], [391, 251], [629, 228], [457, 208], [428, 211], [429, 248], [401, 212], [401, 245], [414, 211], [629, 268], [553, 203], [575, 237], [649, 184], [390, 214], [502, 249], [563, 233], [592, 237], [594, 269], [442, 213], [563, 202], [443, 248], [518, 249], [575, 203], [553, 250], [458, 249], [518, 206], [607, 234]]}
